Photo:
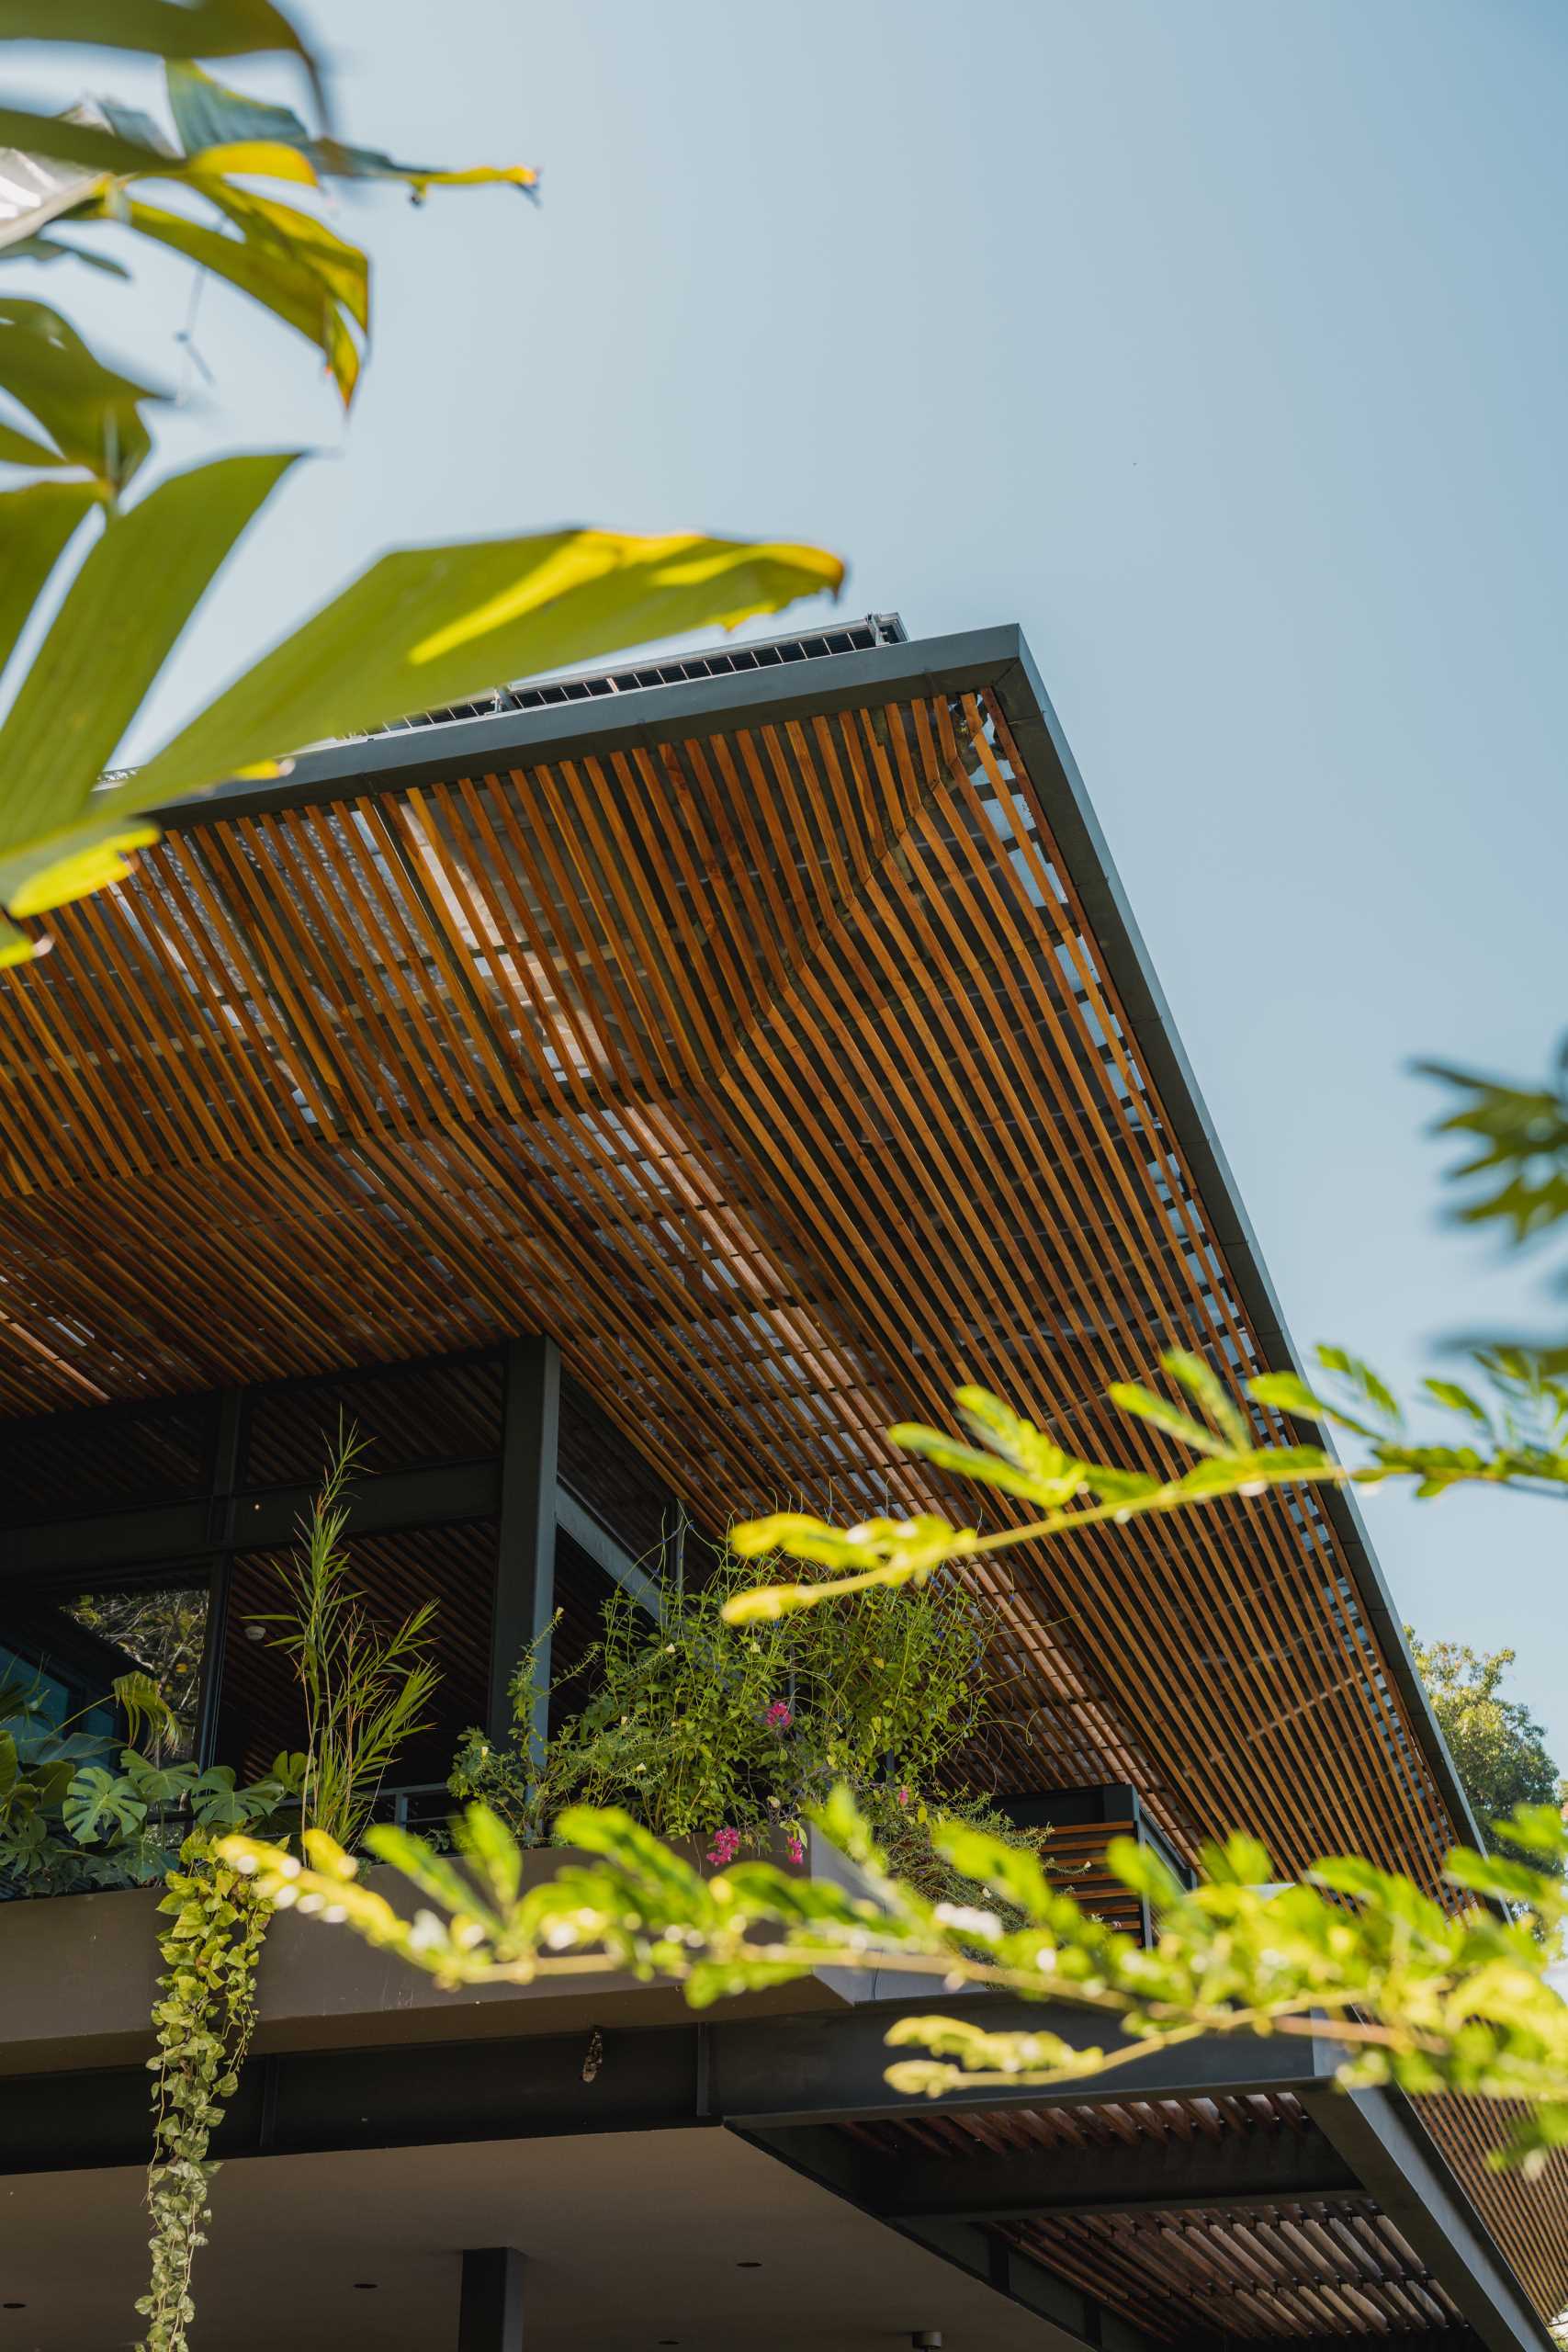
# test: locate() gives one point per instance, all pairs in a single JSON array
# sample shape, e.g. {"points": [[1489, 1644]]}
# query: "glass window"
{"points": [[61, 1657]]}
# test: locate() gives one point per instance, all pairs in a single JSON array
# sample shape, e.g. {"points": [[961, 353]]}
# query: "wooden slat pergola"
{"points": [[783, 1048]]}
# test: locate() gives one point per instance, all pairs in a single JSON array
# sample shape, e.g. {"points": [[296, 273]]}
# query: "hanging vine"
{"points": [[363, 1688], [205, 2015]]}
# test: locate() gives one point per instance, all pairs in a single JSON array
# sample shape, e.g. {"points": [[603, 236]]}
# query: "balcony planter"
{"points": [[78, 1975]]}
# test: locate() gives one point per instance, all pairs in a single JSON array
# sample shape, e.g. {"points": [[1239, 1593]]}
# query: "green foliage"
{"points": [[1498, 1746], [156, 27], [701, 1730], [91, 414], [75, 1813], [204, 2018], [1517, 1172], [1420, 1995], [420, 628], [364, 1690], [365, 1686], [1512, 1407], [1014, 1458], [1518, 1438], [82, 167], [164, 1628]]}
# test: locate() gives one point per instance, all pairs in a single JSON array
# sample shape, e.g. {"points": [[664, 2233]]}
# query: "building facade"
{"points": [[621, 1104]]}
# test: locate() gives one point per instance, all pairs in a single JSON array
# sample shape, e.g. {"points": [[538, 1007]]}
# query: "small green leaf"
{"points": [[1131, 1396], [1458, 1400], [1287, 1392], [1202, 1382], [1363, 1379]]}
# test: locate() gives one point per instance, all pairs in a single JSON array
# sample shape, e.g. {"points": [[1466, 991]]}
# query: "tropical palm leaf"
{"points": [[157, 28], [207, 114], [91, 413], [80, 167], [421, 627]]}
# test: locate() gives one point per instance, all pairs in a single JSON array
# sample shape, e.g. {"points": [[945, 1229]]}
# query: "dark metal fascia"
{"points": [[823, 2066], [1054, 774], [1380, 2134], [829, 2066], [698, 706]]}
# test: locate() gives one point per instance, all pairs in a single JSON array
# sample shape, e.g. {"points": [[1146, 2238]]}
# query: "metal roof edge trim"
{"points": [[1055, 774], [963, 661], [971, 658], [1382, 2136]]}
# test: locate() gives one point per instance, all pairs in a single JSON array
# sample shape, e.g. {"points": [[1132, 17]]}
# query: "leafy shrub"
{"points": [[75, 1813], [729, 1735]]}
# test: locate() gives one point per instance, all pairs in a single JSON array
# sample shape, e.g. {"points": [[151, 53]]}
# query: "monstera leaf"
{"points": [[421, 627], [157, 1784], [100, 1803]]}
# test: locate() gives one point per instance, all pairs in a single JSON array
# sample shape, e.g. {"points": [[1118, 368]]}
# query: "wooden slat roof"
{"points": [[774, 1063], [784, 1047], [1328, 2265]]}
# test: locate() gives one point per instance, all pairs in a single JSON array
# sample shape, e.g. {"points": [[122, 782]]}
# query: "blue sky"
{"points": [[1222, 346]]}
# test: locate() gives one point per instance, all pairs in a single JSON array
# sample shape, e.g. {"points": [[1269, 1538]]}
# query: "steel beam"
{"points": [[433, 752], [490, 2316], [762, 2073], [167, 1534], [830, 2065], [574, 1518], [1238, 2170]]}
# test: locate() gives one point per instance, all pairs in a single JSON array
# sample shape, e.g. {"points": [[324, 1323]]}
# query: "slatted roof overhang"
{"points": [[802, 1017]]}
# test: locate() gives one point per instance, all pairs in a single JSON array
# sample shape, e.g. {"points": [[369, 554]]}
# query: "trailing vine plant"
{"points": [[205, 2016], [363, 1690]]}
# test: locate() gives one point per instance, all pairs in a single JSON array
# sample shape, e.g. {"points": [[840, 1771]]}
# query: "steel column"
{"points": [[490, 2316]]}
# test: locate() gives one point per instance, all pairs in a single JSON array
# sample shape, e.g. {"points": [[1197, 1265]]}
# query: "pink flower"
{"points": [[725, 1845], [796, 1850], [779, 1715], [903, 1796]]}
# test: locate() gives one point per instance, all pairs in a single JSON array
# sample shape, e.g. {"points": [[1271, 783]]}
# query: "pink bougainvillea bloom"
{"points": [[780, 1715], [796, 1850], [903, 1796], [725, 1845]]}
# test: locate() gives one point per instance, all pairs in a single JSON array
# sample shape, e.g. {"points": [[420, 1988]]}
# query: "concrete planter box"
{"points": [[78, 1974]]}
